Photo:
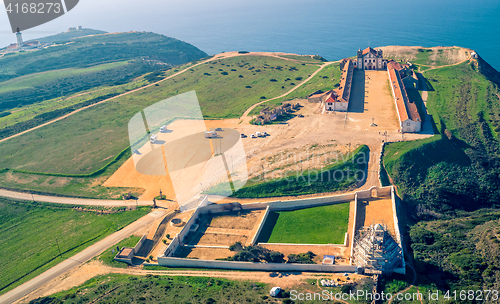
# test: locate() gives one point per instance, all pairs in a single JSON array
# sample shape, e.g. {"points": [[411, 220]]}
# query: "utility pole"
{"points": [[57, 242]]}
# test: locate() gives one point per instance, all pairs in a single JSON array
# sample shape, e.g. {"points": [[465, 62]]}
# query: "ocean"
{"points": [[330, 28]]}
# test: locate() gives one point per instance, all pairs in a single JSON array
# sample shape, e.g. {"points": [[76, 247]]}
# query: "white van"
{"points": [[153, 138], [163, 128]]}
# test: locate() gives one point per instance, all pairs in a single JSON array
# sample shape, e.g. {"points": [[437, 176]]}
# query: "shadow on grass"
{"points": [[268, 227]]}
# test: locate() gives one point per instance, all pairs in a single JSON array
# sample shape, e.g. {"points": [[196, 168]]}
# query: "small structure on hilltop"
{"points": [[267, 115], [377, 251], [20, 45]]}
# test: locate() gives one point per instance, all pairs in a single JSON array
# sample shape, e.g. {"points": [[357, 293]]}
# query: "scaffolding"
{"points": [[376, 250]]}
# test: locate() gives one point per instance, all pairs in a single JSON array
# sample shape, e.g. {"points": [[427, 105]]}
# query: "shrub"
{"points": [[248, 87], [262, 97], [236, 247], [273, 80], [224, 73]]}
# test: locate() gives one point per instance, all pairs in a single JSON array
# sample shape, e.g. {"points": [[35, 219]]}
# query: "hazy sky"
{"points": [[173, 16]]}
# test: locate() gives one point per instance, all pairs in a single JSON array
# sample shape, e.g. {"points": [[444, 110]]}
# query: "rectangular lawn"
{"points": [[317, 225]]}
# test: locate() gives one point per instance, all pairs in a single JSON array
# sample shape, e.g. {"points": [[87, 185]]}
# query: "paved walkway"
{"points": [[79, 258]]}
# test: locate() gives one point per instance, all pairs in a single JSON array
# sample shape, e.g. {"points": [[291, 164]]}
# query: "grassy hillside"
{"points": [[460, 168], [90, 139], [327, 79], [66, 36], [116, 288], [88, 51], [459, 253], [41, 85], [449, 181], [335, 177], [33, 234]]}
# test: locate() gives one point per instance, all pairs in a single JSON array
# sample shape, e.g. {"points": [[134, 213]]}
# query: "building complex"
{"points": [[371, 59]]}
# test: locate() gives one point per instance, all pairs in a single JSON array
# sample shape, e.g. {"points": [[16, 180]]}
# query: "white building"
{"points": [[370, 59], [338, 99]]}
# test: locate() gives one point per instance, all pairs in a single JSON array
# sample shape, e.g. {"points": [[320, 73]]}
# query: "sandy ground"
{"points": [[375, 105], [226, 230], [376, 210], [300, 144], [450, 54], [89, 270]]}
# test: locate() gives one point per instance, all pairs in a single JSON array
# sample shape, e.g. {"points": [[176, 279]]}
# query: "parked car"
{"points": [[253, 136], [258, 134], [243, 135], [218, 129], [300, 115], [265, 133]]}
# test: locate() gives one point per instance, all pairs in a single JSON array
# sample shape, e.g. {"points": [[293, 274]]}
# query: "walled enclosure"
{"points": [[167, 258], [136, 249]]}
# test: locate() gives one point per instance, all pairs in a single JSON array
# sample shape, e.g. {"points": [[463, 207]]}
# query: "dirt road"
{"points": [[71, 200]]}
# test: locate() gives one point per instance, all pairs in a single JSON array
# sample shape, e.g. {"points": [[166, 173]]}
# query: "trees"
{"points": [[255, 254]]}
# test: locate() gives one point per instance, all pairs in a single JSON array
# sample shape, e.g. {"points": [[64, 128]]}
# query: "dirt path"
{"points": [[246, 119], [71, 200], [216, 57]]}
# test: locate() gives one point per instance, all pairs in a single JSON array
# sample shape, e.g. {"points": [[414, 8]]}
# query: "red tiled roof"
{"points": [[369, 50], [344, 90], [406, 109]]}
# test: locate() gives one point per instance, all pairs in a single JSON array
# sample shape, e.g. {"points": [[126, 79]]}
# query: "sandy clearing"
{"points": [[451, 55], [373, 211]]}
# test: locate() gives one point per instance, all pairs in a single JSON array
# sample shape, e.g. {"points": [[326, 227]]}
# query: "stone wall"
{"points": [[194, 263]]}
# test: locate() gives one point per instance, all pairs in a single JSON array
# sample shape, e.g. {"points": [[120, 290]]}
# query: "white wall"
{"points": [[194, 263], [340, 106], [261, 224]]}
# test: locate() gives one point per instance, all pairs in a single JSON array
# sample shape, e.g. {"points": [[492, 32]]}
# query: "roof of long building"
{"points": [[406, 109], [344, 91]]}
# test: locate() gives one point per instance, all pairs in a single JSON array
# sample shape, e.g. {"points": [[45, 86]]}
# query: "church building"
{"points": [[370, 59]]}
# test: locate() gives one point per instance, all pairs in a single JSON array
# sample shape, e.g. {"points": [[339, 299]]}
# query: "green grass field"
{"points": [[318, 225], [32, 235], [116, 288], [107, 256], [37, 79], [334, 177], [304, 58], [86, 141], [324, 81], [85, 187]]}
